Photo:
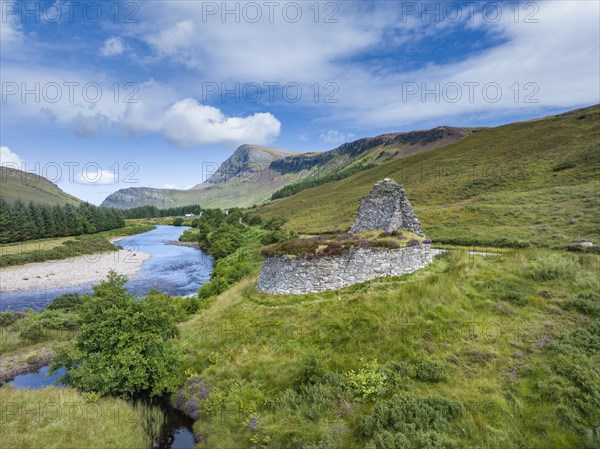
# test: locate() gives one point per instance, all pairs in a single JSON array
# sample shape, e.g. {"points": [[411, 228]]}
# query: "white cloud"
{"points": [[7, 157], [335, 136], [558, 54], [112, 46], [188, 123], [95, 176], [170, 186]]}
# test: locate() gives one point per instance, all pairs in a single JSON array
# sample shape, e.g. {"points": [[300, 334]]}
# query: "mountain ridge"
{"points": [[254, 172]]}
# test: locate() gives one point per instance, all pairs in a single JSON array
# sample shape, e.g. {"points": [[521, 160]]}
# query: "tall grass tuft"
{"points": [[152, 417], [551, 267]]}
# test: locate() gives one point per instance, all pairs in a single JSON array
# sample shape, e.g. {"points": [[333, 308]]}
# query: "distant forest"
{"points": [[20, 222], [154, 212]]}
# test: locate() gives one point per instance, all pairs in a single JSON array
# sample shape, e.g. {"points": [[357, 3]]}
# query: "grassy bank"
{"points": [[67, 419], [469, 352], [64, 247]]}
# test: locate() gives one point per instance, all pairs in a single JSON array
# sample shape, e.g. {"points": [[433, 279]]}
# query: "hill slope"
{"points": [[535, 181], [17, 184], [253, 173]]}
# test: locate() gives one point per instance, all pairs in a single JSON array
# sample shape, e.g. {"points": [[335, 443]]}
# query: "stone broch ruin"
{"points": [[386, 208]]}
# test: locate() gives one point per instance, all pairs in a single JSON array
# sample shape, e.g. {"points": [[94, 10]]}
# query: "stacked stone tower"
{"points": [[386, 208]]}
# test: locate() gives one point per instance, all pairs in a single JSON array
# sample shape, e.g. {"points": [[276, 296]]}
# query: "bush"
{"points": [[178, 221], [275, 224], [586, 303], [408, 414], [311, 372], [253, 220], [276, 237], [125, 345], [68, 301], [224, 241], [34, 332], [8, 318], [37, 327], [368, 382], [189, 399], [430, 371]]}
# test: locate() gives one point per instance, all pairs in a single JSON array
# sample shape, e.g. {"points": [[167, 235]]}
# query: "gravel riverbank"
{"points": [[70, 272]]}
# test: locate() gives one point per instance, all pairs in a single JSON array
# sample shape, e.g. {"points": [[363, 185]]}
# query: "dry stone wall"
{"points": [[288, 275]]}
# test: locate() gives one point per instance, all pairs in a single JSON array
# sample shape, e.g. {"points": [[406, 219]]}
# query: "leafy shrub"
{"points": [[125, 345], [36, 327], [430, 371], [408, 414], [34, 332], [253, 220], [68, 301], [275, 224], [8, 318], [368, 382], [311, 372], [413, 242], [178, 221], [224, 241], [587, 303], [183, 307], [276, 237]]}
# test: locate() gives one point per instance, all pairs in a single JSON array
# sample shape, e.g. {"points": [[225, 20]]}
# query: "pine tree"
{"points": [[6, 221]]}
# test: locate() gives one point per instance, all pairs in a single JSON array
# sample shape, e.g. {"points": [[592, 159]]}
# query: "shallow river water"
{"points": [[175, 270]]}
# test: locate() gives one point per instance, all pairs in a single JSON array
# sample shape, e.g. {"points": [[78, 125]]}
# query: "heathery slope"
{"points": [[534, 181]]}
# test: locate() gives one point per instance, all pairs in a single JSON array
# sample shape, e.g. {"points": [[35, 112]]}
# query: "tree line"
{"points": [[155, 212], [20, 221], [292, 189]]}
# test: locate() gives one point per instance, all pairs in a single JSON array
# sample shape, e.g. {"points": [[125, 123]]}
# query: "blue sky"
{"points": [[153, 93]]}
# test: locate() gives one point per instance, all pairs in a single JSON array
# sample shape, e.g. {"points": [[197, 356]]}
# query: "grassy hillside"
{"points": [[534, 181], [470, 352], [16, 184]]}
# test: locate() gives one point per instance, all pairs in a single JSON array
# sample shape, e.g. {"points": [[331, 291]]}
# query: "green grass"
{"points": [[532, 182], [472, 331], [66, 419], [27, 187], [63, 248]]}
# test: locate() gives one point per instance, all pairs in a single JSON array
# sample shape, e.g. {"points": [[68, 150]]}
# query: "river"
{"points": [[174, 270]]}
